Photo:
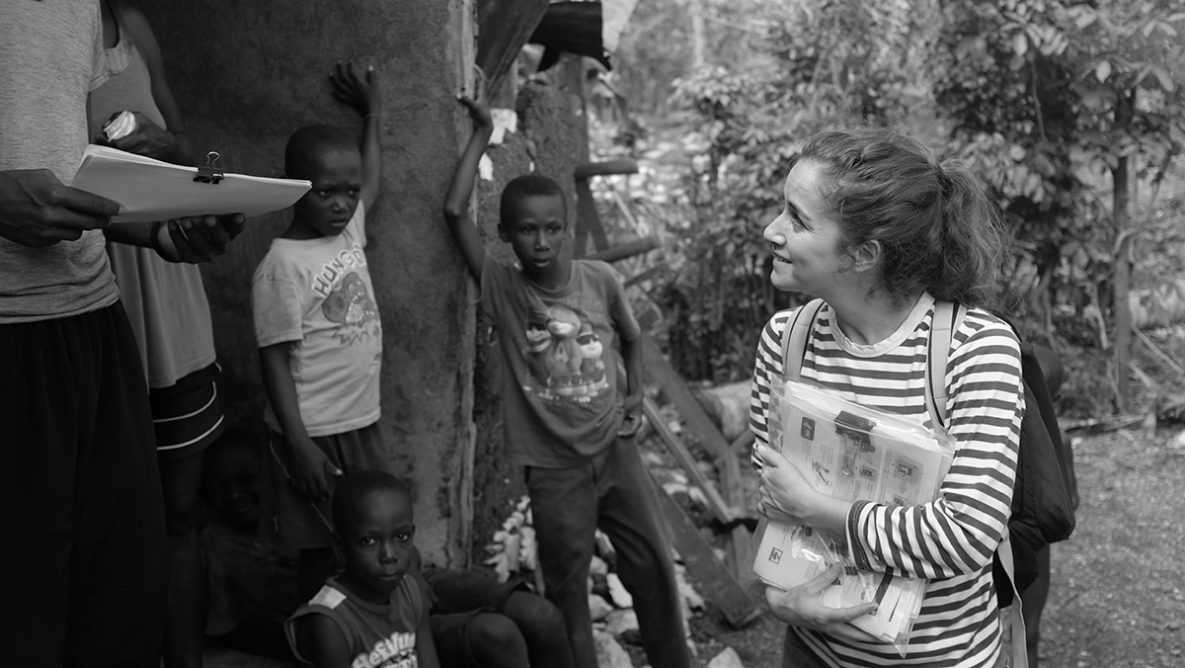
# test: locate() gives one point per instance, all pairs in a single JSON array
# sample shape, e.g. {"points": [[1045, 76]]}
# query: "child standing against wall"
{"points": [[561, 324], [317, 324]]}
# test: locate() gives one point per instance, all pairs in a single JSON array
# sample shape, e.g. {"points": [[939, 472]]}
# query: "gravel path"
{"points": [[1118, 594]]}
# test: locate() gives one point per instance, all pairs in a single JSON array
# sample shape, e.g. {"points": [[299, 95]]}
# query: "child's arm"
{"points": [[631, 355], [456, 203], [141, 33], [321, 642], [364, 95], [310, 467], [425, 647]]}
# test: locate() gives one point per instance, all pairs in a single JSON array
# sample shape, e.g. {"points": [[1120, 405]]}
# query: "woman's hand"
{"points": [[786, 494], [784, 491], [360, 92], [803, 607]]}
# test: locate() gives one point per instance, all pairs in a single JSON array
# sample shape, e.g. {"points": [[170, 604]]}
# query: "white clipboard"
{"points": [[148, 189]]}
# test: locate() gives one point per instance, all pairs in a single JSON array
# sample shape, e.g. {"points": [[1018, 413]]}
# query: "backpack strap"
{"points": [[794, 339], [1012, 620], [946, 320]]}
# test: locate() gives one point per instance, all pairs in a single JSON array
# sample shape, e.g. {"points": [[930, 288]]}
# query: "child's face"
{"points": [[538, 234], [234, 487], [378, 543], [328, 206]]}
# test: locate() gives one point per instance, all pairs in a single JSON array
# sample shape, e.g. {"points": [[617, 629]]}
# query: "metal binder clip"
{"points": [[210, 172]]}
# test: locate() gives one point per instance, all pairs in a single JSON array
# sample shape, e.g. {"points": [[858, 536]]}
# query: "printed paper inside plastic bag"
{"points": [[850, 452]]}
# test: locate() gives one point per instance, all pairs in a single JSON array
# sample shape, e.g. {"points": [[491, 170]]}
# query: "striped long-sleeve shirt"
{"points": [[951, 540]]}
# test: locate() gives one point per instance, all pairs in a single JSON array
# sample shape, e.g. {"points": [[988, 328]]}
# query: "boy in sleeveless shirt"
{"points": [[375, 612]]}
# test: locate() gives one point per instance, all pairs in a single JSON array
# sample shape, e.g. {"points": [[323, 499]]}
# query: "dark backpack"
{"points": [[1045, 494]]}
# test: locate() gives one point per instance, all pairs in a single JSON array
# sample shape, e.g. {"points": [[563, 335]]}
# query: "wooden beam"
{"points": [[708, 435], [605, 168], [588, 223], [676, 391], [716, 504], [711, 577], [627, 250]]}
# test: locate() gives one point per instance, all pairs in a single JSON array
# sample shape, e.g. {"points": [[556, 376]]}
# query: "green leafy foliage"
{"points": [[1052, 102]]}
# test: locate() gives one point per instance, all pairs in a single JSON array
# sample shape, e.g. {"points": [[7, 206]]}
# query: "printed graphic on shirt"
{"points": [[565, 356], [346, 298], [395, 651]]}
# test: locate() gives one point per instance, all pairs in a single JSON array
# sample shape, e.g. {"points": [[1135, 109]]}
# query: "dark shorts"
{"points": [[82, 497], [302, 523], [458, 598], [187, 416]]}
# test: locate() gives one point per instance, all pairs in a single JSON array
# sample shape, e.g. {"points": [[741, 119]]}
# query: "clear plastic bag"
{"points": [[850, 452]]}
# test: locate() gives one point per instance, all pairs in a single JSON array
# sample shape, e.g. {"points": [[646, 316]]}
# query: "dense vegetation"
{"points": [[1073, 113]]}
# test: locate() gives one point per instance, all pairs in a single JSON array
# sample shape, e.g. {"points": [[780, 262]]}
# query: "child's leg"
{"points": [[302, 525], [187, 417], [478, 640], [629, 515], [542, 626], [185, 614], [563, 507]]}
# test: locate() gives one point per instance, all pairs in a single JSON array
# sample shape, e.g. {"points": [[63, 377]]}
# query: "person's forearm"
{"points": [[631, 353], [372, 157], [829, 514], [136, 234], [456, 203], [183, 150], [281, 393]]}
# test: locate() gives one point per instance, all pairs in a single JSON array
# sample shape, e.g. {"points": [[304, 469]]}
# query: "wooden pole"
{"points": [[1120, 198]]}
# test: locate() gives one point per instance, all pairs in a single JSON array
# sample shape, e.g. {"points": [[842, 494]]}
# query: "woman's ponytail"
{"points": [[972, 241], [935, 225]]}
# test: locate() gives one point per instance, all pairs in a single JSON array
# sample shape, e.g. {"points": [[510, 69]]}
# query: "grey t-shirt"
{"points": [[49, 53]]}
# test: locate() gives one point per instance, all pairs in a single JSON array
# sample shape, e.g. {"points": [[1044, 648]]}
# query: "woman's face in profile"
{"points": [[806, 239]]}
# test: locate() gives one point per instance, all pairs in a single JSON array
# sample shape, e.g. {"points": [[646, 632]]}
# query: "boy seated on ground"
{"points": [[375, 611], [475, 620]]}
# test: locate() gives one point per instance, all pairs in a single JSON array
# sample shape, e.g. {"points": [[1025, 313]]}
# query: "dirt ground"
{"points": [[1118, 592]]}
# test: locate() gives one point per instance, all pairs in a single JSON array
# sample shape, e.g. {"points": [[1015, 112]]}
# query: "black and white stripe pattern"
{"points": [[949, 541]]}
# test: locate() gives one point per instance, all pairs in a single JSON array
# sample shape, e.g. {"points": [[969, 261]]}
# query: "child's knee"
{"points": [[536, 617], [493, 637]]}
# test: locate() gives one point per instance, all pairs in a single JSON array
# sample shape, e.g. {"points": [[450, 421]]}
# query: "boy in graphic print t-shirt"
{"points": [[317, 326], [374, 614]]}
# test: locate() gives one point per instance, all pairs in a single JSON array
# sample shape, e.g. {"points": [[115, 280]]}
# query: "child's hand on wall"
{"points": [[478, 112], [360, 92]]}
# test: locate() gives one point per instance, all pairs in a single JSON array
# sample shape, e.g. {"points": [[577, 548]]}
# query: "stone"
{"points": [[619, 622], [621, 597], [726, 659], [598, 607], [609, 653], [598, 566]]}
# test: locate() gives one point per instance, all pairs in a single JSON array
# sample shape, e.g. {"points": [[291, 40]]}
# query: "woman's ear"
{"points": [[503, 233], [866, 256]]}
